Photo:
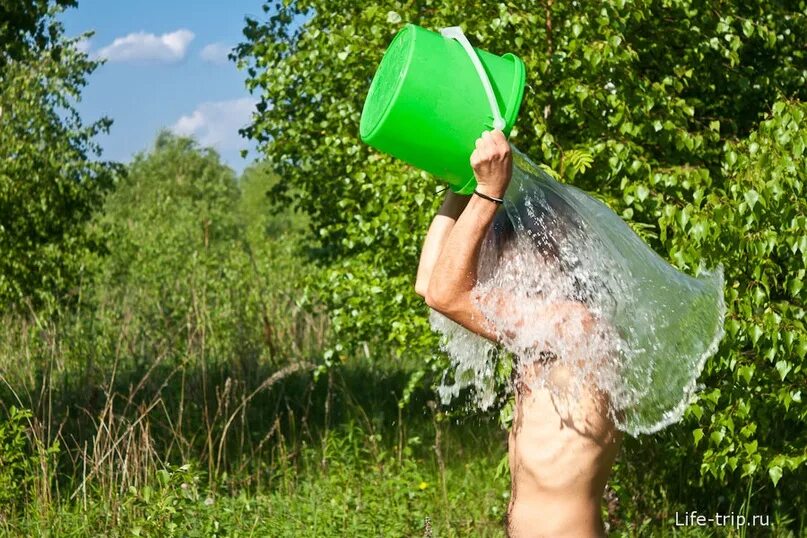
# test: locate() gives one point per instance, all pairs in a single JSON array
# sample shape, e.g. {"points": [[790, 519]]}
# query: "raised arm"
{"points": [[436, 237], [455, 272]]}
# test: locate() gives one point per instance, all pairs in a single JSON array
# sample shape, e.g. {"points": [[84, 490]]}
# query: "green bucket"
{"points": [[433, 95]]}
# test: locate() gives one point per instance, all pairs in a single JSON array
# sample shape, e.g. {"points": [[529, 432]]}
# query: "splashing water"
{"points": [[566, 284]]}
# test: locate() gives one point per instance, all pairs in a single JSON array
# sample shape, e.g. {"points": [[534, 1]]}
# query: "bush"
{"points": [[657, 108], [16, 462]]}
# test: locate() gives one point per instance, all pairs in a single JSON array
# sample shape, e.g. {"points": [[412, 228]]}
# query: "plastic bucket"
{"points": [[433, 96]]}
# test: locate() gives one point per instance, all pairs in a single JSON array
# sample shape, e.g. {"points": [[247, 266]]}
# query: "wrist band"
{"points": [[491, 198]]}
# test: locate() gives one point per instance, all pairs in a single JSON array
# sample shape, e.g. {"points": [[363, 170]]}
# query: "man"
{"points": [[560, 457]]}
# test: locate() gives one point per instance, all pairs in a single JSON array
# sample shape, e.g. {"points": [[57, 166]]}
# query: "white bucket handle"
{"points": [[455, 32]]}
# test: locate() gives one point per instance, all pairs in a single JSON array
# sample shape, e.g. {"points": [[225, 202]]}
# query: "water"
{"points": [[565, 283]]}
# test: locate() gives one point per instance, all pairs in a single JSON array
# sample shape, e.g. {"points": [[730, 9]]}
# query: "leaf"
{"points": [[163, 477], [775, 473], [783, 367], [751, 197], [642, 192], [756, 333], [579, 160], [746, 373]]}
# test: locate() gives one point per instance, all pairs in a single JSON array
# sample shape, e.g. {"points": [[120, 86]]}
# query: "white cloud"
{"points": [[217, 123], [141, 46], [216, 53]]}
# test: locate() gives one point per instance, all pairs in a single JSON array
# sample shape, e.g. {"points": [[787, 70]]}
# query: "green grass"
{"points": [[353, 484], [339, 458]]}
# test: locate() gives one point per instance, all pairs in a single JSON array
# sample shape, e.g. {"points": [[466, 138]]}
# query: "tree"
{"points": [[261, 220], [171, 225], [195, 260], [24, 25], [648, 104], [602, 82], [49, 183]]}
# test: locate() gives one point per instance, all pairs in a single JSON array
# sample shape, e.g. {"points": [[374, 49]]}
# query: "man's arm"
{"points": [[436, 237], [455, 273], [450, 291]]}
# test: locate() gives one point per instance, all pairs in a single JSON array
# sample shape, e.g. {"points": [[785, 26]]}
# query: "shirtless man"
{"points": [[559, 461]]}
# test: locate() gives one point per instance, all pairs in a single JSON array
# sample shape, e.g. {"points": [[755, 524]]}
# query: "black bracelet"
{"points": [[491, 198]]}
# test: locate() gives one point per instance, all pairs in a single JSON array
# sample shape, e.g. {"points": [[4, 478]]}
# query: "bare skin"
{"points": [[559, 463]]}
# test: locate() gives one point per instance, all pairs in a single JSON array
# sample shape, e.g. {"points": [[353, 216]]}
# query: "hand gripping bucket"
{"points": [[433, 95]]}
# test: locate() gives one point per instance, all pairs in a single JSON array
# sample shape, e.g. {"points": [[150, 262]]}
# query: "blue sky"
{"points": [[166, 68]]}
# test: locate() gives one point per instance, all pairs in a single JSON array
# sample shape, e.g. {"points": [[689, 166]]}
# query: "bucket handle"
{"points": [[455, 32]]}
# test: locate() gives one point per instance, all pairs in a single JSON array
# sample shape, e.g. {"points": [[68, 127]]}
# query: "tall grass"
{"points": [[112, 438], [152, 407]]}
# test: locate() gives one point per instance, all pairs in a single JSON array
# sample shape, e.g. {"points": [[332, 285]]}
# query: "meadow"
{"points": [[187, 351]]}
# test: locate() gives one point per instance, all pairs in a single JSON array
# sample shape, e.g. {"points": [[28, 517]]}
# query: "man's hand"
{"points": [[492, 163]]}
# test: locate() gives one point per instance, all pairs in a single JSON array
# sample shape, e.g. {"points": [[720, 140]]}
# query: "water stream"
{"points": [[567, 284]]}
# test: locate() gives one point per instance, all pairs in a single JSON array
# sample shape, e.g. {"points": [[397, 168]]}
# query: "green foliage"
{"points": [[49, 184], [167, 506], [172, 227], [258, 217], [656, 106], [193, 289], [742, 442], [15, 461], [176, 207], [166, 356], [752, 419], [608, 102], [25, 462], [25, 25], [362, 493]]}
